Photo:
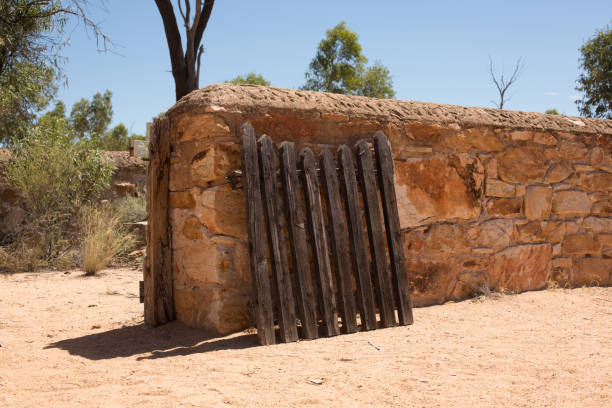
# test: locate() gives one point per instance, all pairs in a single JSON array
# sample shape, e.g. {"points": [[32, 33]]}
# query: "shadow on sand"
{"points": [[173, 339]]}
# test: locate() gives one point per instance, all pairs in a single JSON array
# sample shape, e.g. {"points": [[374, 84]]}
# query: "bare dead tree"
{"points": [[185, 63], [503, 84]]}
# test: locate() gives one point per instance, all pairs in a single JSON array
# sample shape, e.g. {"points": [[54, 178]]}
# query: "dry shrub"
{"points": [[131, 208], [104, 238]]}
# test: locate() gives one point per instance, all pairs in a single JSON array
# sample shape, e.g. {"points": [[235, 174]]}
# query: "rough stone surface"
{"points": [[421, 197], [520, 268], [486, 197], [591, 271], [496, 188], [502, 207], [522, 165], [538, 202], [571, 203], [580, 244]]}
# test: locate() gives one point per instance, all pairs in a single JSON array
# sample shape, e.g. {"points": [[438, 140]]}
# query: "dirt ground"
{"points": [[74, 341]]}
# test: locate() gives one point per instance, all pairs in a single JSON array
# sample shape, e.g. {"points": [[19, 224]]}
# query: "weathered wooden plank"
{"points": [[158, 296], [276, 243], [255, 227], [365, 295], [367, 180], [316, 230], [297, 241], [384, 163], [339, 244]]}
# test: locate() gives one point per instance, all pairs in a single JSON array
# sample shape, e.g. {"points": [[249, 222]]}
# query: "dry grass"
{"points": [[103, 238]]}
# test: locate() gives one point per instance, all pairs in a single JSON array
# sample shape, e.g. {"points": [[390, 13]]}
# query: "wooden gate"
{"points": [[295, 238]]}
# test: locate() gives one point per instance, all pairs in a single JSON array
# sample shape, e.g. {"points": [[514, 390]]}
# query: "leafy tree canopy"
{"points": [[31, 37], [595, 81], [340, 67], [551, 112], [251, 78]]}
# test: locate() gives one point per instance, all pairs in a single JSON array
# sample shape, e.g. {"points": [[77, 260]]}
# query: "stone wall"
{"points": [[488, 199]]}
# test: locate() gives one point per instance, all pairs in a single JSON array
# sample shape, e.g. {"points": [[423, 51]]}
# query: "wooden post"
{"points": [[316, 229], [375, 233], [297, 240], [384, 163], [365, 295], [339, 244], [255, 227], [158, 296], [276, 244]]}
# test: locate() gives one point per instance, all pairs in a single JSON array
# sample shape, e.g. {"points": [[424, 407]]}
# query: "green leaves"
{"points": [[251, 78], [340, 67], [595, 81]]}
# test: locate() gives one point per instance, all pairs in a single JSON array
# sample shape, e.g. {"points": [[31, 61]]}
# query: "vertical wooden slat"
{"points": [[255, 227], [318, 241], [339, 244], [365, 298], [367, 179], [276, 245], [158, 295], [297, 241], [384, 162]]}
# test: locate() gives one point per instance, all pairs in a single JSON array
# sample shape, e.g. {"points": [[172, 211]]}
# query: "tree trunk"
{"points": [[185, 64]]}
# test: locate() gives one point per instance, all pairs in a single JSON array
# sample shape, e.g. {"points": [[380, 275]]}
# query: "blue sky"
{"points": [[437, 51]]}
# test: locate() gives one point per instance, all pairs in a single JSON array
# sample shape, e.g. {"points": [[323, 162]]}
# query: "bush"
{"points": [[131, 208], [54, 178], [103, 238]]}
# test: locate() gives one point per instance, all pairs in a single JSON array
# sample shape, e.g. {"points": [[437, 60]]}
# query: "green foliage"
{"points": [[50, 173], [28, 62], [90, 120], [377, 83], [340, 67], [595, 81], [54, 178], [131, 208], [552, 112], [251, 78]]}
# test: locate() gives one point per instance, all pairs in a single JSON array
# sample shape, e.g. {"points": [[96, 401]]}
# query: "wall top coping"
{"points": [[262, 99]]}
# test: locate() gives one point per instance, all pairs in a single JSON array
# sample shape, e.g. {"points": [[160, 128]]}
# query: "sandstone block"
{"points": [[491, 167], [181, 199], [580, 244], [192, 229], [571, 203], [519, 268], [222, 211], [541, 231], [210, 166], [436, 189], [603, 208], [494, 234], [445, 238], [570, 149], [496, 188], [522, 164], [597, 224], [558, 172], [538, 202], [470, 284], [502, 207], [561, 271], [199, 126], [591, 271], [593, 181], [482, 140], [431, 282], [544, 139], [605, 240], [521, 135]]}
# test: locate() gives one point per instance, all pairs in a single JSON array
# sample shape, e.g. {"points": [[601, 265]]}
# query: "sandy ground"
{"points": [[74, 341]]}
